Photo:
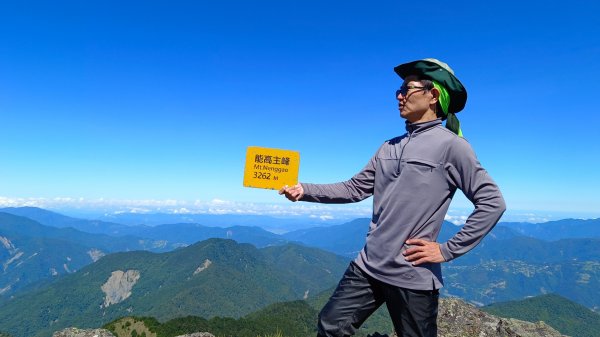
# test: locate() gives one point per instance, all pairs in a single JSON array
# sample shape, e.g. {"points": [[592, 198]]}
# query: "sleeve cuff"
{"points": [[446, 254], [306, 194]]}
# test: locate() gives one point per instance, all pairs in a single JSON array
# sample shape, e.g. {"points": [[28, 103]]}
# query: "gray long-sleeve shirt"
{"points": [[412, 179]]}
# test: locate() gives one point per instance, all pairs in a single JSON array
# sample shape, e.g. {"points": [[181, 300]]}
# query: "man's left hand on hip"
{"points": [[423, 251]]}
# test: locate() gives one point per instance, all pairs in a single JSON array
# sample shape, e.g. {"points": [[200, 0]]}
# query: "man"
{"points": [[412, 179]]}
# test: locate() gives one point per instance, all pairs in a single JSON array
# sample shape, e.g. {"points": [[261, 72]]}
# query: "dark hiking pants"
{"points": [[357, 296]]}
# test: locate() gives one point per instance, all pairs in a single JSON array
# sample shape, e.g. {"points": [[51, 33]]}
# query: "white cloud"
{"points": [[456, 219], [173, 206], [323, 212], [182, 210]]}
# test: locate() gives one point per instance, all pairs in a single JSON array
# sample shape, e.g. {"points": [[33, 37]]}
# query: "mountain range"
{"points": [[216, 277], [32, 254], [504, 261], [172, 235], [507, 265], [57, 220], [346, 239], [35, 252], [557, 230], [273, 224]]}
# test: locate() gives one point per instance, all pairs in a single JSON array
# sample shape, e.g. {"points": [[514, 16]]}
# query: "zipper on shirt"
{"points": [[402, 152]]}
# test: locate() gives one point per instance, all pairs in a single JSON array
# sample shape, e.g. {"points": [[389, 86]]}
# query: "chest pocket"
{"points": [[420, 165], [423, 177]]}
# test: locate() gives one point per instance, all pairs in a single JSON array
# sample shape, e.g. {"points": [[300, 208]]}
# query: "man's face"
{"points": [[413, 99]]}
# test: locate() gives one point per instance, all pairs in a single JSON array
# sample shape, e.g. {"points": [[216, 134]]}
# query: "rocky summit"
{"points": [[74, 332], [455, 319], [459, 319]]}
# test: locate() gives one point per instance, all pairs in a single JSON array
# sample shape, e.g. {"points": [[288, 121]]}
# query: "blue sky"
{"points": [[154, 102]]}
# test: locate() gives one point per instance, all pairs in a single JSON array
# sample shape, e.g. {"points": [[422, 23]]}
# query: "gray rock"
{"points": [[198, 334], [74, 332], [459, 319], [119, 285]]}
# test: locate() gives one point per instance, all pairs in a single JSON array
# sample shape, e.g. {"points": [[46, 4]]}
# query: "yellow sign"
{"points": [[271, 168]]}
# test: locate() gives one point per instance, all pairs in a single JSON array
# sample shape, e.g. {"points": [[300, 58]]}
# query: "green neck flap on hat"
{"points": [[452, 122]]}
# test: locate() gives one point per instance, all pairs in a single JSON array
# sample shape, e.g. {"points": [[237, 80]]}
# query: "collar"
{"points": [[416, 128]]}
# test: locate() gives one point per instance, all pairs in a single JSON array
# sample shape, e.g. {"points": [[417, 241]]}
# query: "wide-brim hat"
{"points": [[436, 70]]}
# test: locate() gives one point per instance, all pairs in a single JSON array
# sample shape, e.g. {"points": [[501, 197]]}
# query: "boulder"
{"points": [[74, 332]]}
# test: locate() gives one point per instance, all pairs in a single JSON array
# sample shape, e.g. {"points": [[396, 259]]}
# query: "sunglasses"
{"points": [[405, 88]]}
